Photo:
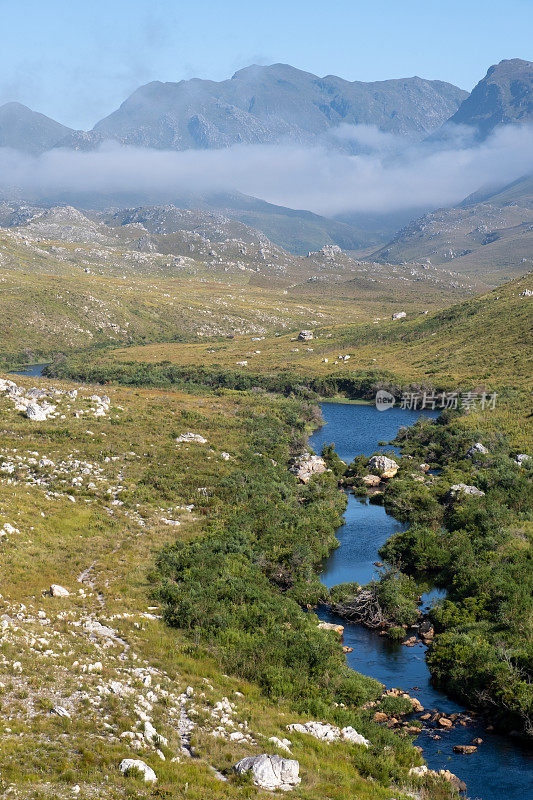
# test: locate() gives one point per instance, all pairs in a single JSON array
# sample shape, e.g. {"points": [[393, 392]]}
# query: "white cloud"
{"points": [[385, 178]]}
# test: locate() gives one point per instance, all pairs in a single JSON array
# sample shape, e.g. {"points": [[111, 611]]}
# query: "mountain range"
{"points": [[281, 104]]}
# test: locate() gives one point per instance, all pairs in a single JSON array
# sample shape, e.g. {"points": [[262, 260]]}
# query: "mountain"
{"points": [[489, 235], [504, 95], [27, 130], [270, 104]]}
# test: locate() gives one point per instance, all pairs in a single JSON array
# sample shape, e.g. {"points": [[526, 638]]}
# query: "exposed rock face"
{"points": [[270, 772], [387, 467], [459, 489], [135, 764], [329, 733], [503, 96], [268, 104], [307, 465]]}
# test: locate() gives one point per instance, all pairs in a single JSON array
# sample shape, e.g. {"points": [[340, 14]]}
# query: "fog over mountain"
{"points": [[360, 151]]}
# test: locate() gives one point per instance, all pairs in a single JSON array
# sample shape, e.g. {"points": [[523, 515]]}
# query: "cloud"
{"points": [[385, 178]]}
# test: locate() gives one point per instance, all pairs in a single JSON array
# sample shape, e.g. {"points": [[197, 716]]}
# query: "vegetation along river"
{"points": [[502, 767]]}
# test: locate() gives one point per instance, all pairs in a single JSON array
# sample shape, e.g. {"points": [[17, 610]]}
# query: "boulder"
{"points": [[331, 626], [521, 458], [465, 749], [386, 467], [399, 315], [307, 465], [270, 772], [305, 336], [35, 412], [459, 489], [136, 765], [380, 716], [444, 722], [476, 450], [59, 591]]}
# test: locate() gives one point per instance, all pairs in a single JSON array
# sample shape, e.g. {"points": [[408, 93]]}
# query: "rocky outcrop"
{"points": [[331, 626], [371, 480], [270, 772], [329, 733], [307, 465]]}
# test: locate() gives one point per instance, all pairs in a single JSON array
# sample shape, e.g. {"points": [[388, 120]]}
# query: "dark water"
{"points": [[501, 769], [33, 371]]}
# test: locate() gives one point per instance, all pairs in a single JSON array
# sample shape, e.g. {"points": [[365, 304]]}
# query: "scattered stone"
{"points": [[270, 772], [61, 712], [326, 732]]}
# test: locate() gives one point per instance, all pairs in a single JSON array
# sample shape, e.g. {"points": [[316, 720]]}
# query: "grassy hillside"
{"points": [[85, 501]]}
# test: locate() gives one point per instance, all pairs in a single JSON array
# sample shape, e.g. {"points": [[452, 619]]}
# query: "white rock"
{"points": [[59, 591], [399, 315], [35, 412], [61, 712], [191, 437], [270, 772], [477, 449], [135, 764], [307, 465], [387, 467]]}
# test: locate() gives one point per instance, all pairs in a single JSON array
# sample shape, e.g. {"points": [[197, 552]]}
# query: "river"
{"points": [[502, 767]]}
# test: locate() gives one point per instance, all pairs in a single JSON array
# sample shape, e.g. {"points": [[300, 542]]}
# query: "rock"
{"points": [[521, 458], [477, 449], [35, 412], [191, 437], [307, 465], [326, 732], [444, 722], [305, 336], [283, 744], [136, 765], [387, 467], [459, 489], [59, 591], [399, 315], [380, 716], [270, 772], [453, 779], [419, 771], [371, 480], [60, 712], [346, 649], [331, 626], [477, 741], [465, 749], [417, 705]]}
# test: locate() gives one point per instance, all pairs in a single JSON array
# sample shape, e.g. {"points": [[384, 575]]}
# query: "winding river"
{"points": [[502, 768]]}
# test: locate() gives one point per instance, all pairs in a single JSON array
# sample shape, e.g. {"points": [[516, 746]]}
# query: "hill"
{"points": [[27, 130], [489, 235]]}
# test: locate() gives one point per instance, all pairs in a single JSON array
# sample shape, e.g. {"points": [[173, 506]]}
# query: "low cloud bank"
{"points": [[389, 174]]}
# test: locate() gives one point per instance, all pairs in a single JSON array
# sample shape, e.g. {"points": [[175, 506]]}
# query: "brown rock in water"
{"points": [[445, 723], [425, 717], [465, 749], [477, 741], [347, 649]]}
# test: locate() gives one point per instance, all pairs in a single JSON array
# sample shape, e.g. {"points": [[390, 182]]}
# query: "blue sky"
{"points": [[77, 60]]}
